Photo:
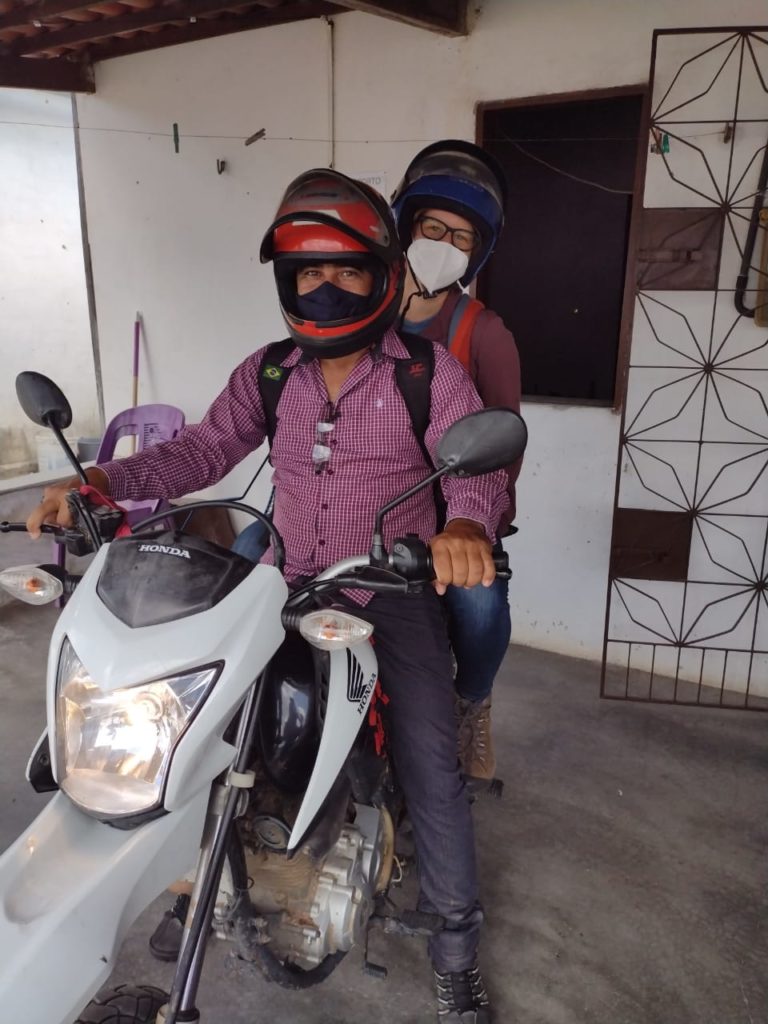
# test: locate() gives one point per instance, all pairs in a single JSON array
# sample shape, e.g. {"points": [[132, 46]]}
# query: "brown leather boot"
{"points": [[473, 719]]}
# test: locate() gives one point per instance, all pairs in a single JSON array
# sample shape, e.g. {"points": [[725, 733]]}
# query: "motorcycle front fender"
{"points": [[70, 888]]}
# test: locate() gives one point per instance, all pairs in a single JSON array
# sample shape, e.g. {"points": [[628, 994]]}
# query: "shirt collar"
{"points": [[392, 346], [294, 356]]}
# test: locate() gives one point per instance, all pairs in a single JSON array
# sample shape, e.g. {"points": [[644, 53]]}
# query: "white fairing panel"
{"points": [[243, 630], [354, 672], [70, 888]]}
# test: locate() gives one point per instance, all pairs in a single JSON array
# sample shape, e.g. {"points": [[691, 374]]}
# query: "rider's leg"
{"points": [[252, 542], [411, 645], [480, 630]]}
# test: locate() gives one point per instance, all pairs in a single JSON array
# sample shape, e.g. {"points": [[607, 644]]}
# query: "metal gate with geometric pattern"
{"points": [[687, 616]]}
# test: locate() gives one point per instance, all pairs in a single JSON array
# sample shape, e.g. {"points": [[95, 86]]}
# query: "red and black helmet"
{"points": [[326, 217]]}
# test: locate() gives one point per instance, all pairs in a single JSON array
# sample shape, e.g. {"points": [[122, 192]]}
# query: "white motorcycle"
{"points": [[207, 722]]}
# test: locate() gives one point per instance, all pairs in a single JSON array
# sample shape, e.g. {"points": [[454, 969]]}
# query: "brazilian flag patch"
{"points": [[271, 372]]}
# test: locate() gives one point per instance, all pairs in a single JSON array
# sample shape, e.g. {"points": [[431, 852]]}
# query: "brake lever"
{"points": [[101, 522]]}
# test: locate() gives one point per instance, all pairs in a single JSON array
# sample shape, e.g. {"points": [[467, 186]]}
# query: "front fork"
{"points": [[222, 811]]}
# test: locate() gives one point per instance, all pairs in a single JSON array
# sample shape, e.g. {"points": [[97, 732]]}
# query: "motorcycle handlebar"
{"points": [[6, 527], [408, 568]]}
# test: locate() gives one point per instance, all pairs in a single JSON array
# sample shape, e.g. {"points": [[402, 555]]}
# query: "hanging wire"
{"points": [[293, 138], [567, 174], [321, 139]]}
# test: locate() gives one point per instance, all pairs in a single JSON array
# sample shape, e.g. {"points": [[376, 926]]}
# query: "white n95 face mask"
{"points": [[436, 265]]}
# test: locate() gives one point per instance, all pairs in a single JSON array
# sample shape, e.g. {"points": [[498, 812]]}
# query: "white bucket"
{"points": [[50, 455], [88, 448]]}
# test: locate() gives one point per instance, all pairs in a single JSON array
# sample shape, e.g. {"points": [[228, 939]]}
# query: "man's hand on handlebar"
{"points": [[54, 507], [461, 556]]}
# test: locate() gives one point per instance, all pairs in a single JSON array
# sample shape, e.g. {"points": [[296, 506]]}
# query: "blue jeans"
{"points": [[252, 542], [479, 628]]}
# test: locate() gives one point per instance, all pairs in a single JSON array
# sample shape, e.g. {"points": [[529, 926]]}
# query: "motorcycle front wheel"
{"points": [[125, 1004]]}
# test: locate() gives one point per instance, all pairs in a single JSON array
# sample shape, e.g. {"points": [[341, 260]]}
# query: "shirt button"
{"points": [[321, 543], [324, 507]]}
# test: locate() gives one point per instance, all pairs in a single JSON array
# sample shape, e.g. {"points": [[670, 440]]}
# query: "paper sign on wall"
{"points": [[376, 179]]}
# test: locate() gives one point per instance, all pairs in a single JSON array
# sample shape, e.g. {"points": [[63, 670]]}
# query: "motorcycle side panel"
{"points": [[287, 725], [353, 675], [70, 888]]}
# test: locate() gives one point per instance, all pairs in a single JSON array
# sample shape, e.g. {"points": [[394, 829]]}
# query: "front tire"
{"points": [[126, 1004]]}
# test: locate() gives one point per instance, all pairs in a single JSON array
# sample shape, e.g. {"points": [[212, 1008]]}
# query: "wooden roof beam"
{"points": [[57, 75], [44, 11], [163, 14], [209, 28], [41, 12], [449, 17]]}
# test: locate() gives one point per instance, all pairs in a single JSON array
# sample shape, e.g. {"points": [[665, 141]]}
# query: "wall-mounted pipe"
{"points": [[749, 246], [331, 92]]}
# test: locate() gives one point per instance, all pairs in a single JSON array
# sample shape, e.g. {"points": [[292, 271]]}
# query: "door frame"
{"points": [[628, 299]]}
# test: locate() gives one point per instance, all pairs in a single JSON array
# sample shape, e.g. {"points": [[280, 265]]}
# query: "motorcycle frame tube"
{"points": [[70, 888], [186, 979]]}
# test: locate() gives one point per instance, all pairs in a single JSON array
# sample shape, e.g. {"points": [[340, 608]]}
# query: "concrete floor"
{"points": [[623, 872]]}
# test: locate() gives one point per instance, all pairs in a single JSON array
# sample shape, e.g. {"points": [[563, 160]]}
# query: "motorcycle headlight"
{"points": [[114, 746]]}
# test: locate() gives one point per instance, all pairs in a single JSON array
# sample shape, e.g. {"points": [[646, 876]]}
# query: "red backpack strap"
{"points": [[461, 326]]}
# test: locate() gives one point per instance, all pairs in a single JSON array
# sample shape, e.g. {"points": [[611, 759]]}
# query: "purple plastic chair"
{"points": [[149, 424]]}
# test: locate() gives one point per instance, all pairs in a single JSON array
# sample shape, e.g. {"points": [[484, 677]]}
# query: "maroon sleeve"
{"points": [[495, 369]]}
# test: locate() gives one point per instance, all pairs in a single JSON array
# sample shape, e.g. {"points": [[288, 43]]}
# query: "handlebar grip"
{"points": [[412, 558], [501, 561]]}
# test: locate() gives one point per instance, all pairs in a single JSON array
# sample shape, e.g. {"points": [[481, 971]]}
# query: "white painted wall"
{"points": [[174, 239], [43, 301]]}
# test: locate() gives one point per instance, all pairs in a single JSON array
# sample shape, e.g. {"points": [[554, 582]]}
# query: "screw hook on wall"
{"points": [[221, 166]]}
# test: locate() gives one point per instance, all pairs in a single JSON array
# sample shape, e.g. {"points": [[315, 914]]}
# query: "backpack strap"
{"points": [[413, 377], [461, 326], [272, 379]]}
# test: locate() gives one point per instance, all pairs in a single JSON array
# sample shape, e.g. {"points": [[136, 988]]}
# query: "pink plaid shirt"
{"points": [[325, 514]]}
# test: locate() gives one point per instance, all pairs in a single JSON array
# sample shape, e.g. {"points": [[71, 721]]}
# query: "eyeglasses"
{"points": [[462, 238], [321, 450]]}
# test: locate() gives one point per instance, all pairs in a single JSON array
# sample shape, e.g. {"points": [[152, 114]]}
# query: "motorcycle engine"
{"points": [[313, 908]]}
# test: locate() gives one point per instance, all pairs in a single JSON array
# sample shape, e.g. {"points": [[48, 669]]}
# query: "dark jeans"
{"points": [[411, 645], [252, 542], [480, 629]]}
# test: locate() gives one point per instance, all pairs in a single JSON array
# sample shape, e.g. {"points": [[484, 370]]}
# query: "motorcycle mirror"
{"points": [[43, 401], [482, 442]]}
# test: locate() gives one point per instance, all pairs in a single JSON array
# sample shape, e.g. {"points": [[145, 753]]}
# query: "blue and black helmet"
{"points": [[457, 176]]}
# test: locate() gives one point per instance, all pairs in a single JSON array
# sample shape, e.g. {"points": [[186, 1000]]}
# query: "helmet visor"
{"points": [[454, 164], [329, 199]]}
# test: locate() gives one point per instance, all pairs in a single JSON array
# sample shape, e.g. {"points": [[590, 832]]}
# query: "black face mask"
{"points": [[328, 303]]}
